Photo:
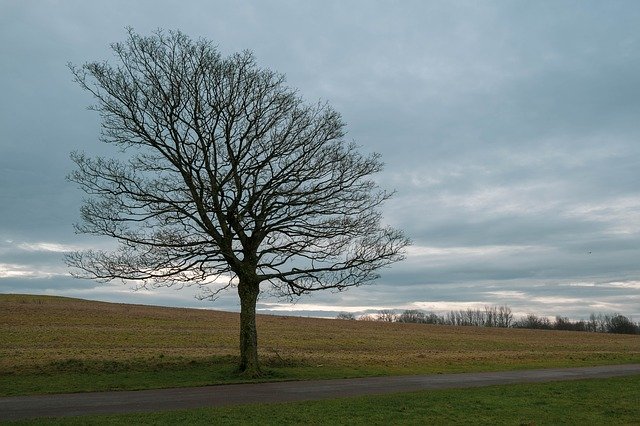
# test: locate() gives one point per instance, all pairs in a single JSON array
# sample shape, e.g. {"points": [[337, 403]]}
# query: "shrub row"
{"points": [[502, 316]]}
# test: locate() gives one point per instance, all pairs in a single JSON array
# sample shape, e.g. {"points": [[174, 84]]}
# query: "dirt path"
{"points": [[23, 407]]}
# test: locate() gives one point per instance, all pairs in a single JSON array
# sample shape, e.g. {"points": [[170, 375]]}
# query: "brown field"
{"points": [[37, 332]]}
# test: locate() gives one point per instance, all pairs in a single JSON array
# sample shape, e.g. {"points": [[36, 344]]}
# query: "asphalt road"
{"points": [[23, 407]]}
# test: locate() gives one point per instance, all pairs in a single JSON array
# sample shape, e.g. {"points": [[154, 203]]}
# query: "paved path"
{"points": [[22, 407]]}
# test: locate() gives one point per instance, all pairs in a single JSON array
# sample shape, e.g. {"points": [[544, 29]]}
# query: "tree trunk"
{"points": [[248, 292]]}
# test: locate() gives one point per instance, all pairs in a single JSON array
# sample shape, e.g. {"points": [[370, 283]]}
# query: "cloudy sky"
{"points": [[510, 129]]}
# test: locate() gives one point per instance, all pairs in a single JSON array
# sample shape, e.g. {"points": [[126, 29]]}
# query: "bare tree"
{"points": [[497, 316], [367, 317], [412, 316], [505, 316], [386, 315], [227, 174], [346, 316]]}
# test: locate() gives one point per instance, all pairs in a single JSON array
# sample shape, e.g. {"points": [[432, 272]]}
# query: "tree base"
{"points": [[250, 373]]}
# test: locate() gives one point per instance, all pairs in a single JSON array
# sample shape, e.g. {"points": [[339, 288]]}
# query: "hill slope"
{"points": [[46, 335]]}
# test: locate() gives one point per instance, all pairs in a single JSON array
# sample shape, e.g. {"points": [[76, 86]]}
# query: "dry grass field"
{"points": [[53, 344], [50, 335]]}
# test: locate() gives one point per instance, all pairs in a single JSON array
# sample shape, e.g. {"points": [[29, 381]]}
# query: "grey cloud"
{"points": [[501, 124]]}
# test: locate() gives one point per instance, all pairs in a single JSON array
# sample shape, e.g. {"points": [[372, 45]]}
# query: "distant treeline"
{"points": [[501, 316]]}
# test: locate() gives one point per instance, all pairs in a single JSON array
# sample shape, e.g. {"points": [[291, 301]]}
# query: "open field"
{"points": [[53, 344]]}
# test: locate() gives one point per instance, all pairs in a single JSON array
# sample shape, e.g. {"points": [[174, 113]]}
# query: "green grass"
{"points": [[54, 344], [79, 376], [583, 402]]}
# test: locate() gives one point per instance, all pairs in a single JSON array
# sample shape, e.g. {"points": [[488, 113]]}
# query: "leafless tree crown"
{"points": [[228, 173]]}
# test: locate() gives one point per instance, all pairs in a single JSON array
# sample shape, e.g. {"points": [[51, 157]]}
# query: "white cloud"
{"points": [[579, 284], [8, 270], [600, 305], [295, 307], [622, 214], [507, 295], [602, 285], [557, 300], [445, 306], [476, 251], [48, 247], [625, 284]]}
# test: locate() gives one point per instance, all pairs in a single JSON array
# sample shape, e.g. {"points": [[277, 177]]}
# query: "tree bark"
{"points": [[248, 292]]}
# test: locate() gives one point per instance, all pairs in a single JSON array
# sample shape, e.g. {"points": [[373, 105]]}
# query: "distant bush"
{"points": [[564, 323], [622, 325], [346, 316], [616, 323], [502, 316], [535, 322]]}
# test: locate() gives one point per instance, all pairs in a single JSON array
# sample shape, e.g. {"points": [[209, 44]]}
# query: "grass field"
{"points": [[583, 402], [54, 344]]}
